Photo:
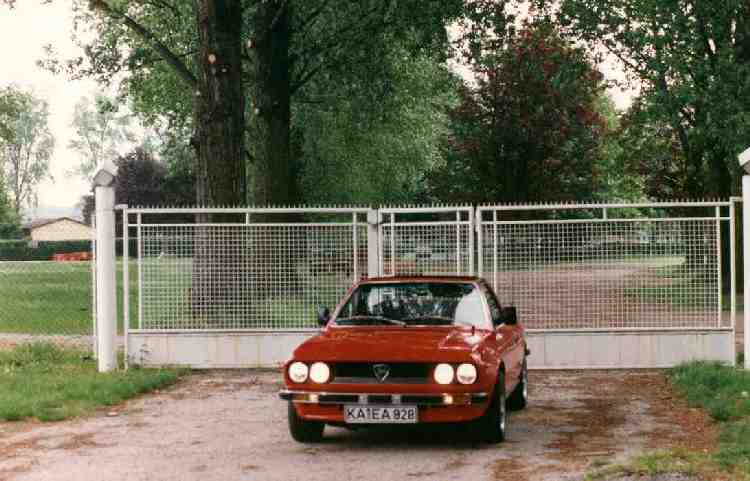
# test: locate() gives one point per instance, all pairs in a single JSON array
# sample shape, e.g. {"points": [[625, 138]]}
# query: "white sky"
{"points": [[24, 32]]}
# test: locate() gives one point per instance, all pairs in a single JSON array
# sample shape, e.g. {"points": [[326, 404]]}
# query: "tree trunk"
{"points": [[272, 176], [220, 105], [220, 160]]}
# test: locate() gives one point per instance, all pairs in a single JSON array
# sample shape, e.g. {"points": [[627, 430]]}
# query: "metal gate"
{"points": [[426, 240], [614, 285], [597, 285]]}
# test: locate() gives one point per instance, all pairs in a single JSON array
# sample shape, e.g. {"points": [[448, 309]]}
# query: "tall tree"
{"points": [[10, 222], [10, 99], [101, 130], [207, 66], [692, 60], [25, 157], [530, 127], [285, 45], [371, 140]]}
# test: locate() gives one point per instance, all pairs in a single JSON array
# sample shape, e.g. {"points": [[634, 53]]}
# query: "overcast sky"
{"points": [[24, 32]]}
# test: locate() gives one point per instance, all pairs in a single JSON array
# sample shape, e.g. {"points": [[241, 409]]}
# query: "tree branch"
{"points": [[173, 60], [307, 21]]}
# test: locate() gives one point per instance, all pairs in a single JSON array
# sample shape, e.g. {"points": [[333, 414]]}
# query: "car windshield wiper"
{"points": [[375, 318]]}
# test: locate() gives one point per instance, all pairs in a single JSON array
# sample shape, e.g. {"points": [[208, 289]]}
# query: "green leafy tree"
{"points": [[692, 62], [25, 158], [101, 130], [10, 222], [372, 140], [285, 46], [530, 128], [10, 98]]}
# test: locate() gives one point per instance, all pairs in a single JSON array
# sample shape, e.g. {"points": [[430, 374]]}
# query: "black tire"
{"points": [[493, 424], [304, 431], [520, 395]]}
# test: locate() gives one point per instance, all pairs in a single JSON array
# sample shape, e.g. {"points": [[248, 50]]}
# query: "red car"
{"points": [[402, 350]]}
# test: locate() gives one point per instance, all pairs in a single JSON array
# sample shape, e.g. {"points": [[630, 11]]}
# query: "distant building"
{"points": [[58, 229]]}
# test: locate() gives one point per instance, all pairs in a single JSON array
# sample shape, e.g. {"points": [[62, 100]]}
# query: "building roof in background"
{"points": [[39, 222]]}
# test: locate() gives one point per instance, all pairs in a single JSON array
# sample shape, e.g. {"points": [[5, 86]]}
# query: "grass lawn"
{"points": [[724, 392], [53, 297], [49, 383]]}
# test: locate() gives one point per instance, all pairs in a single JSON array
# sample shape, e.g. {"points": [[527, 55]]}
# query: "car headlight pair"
{"points": [[465, 373], [318, 372]]}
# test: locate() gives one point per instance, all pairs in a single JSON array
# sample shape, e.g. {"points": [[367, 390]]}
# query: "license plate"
{"points": [[373, 414]]}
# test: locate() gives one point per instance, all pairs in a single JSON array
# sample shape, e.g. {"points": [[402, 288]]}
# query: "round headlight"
{"points": [[466, 373], [320, 372], [443, 374], [298, 372]]}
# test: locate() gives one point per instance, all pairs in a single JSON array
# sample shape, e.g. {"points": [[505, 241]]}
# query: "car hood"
{"points": [[394, 344]]}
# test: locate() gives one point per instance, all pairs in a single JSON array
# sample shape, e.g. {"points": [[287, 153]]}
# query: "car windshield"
{"points": [[414, 304]]}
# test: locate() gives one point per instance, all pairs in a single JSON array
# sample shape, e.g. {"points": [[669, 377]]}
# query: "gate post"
{"points": [[106, 293], [746, 264], [373, 243]]}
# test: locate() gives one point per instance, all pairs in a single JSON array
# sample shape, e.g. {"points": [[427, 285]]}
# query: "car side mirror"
{"points": [[508, 316], [324, 315]]}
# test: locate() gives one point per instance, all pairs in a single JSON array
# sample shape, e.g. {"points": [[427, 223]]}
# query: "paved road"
{"points": [[230, 425]]}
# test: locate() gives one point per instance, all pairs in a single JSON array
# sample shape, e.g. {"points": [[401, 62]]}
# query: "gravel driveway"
{"points": [[230, 425]]}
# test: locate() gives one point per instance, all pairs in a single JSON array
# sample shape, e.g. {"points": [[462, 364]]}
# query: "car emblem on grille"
{"points": [[381, 371]]}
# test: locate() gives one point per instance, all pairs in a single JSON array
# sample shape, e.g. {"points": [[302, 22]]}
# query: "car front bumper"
{"points": [[433, 407]]}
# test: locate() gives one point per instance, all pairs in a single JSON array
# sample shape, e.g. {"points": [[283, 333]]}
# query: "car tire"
{"points": [[520, 395], [304, 431], [493, 424]]}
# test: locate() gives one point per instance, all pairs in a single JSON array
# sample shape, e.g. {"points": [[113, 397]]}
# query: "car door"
{"points": [[509, 338]]}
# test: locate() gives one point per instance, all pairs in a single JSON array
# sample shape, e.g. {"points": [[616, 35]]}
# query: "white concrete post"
{"points": [[106, 286], [746, 264], [373, 243]]}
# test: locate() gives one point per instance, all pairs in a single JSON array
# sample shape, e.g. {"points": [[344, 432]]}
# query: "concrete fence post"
{"points": [[106, 286], [373, 243], [746, 264]]}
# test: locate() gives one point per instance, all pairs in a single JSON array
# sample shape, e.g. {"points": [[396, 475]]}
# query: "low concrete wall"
{"points": [[549, 350], [214, 349], [634, 349]]}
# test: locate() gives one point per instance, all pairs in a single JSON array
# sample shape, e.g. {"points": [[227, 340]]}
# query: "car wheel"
{"points": [[304, 431], [520, 395], [491, 427]]}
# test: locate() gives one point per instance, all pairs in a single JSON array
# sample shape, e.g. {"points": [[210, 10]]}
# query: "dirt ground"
{"points": [[230, 425]]}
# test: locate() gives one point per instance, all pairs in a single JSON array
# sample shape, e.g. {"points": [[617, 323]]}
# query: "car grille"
{"points": [[398, 373]]}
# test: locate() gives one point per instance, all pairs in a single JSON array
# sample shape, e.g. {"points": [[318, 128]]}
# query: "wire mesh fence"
{"points": [[597, 268], [46, 284], [268, 273], [427, 242], [653, 269]]}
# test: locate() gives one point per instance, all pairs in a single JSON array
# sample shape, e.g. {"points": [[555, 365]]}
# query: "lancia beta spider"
{"points": [[406, 350]]}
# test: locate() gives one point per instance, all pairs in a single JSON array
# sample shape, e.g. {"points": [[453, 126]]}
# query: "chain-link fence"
{"points": [[46, 284]]}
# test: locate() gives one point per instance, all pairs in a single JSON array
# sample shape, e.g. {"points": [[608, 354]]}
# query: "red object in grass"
{"points": [[72, 256]]}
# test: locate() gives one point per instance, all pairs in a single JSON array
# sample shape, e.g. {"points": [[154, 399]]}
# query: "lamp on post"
{"points": [[106, 291], [744, 159]]}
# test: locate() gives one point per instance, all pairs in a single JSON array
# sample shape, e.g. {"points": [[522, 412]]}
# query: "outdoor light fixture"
{"points": [[105, 174], [745, 160]]}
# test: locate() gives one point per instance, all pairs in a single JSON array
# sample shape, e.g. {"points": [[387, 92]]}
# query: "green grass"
{"points": [[724, 392], [48, 383], [53, 297]]}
